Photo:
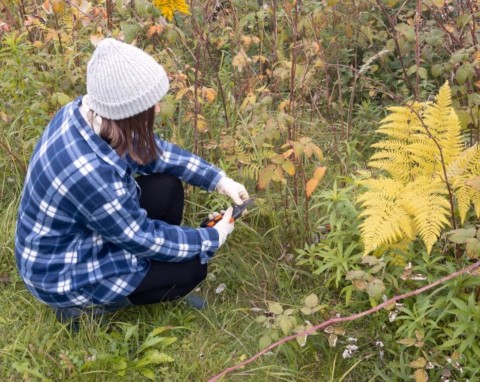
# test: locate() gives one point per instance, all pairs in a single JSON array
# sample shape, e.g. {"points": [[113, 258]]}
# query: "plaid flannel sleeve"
{"points": [[122, 223], [183, 165]]}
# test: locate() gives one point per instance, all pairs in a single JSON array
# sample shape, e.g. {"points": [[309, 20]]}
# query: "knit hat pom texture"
{"points": [[123, 81]]}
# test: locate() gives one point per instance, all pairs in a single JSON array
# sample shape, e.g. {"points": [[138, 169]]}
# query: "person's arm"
{"points": [[183, 165], [194, 170], [120, 221]]}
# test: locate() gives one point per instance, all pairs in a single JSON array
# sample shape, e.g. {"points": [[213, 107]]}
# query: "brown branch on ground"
{"points": [[336, 320]]}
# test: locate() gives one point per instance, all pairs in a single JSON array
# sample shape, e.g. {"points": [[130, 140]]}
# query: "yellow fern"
{"points": [[421, 140], [461, 172]]}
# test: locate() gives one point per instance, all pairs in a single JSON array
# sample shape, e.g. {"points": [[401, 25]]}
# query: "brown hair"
{"points": [[132, 136]]}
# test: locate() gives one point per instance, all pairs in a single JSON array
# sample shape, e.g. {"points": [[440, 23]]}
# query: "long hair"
{"points": [[132, 136]]}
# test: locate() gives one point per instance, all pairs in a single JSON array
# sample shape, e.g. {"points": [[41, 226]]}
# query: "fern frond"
{"points": [[460, 171], [444, 125], [421, 139], [476, 202], [385, 220], [425, 200]]}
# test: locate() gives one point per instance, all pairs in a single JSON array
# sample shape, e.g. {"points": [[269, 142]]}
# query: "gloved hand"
{"points": [[224, 227], [236, 191]]}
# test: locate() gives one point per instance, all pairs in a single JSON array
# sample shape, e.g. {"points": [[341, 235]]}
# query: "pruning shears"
{"points": [[237, 212]]}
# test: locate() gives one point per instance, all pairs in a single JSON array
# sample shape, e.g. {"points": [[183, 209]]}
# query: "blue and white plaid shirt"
{"points": [[82, 238]]}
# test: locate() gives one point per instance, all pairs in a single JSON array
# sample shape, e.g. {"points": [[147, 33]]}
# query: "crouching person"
{"points": [[99, 220]]}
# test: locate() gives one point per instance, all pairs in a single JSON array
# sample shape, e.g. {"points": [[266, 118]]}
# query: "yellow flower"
{"points": [[169, 6]]}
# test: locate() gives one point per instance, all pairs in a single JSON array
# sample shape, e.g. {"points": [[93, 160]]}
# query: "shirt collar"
{"points": [[101, 148]]}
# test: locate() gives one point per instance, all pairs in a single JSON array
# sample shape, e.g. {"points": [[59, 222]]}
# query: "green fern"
{"points": [[411, 198]]}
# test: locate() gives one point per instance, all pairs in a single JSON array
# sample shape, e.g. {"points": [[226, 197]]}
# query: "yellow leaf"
{"points": [[181, 93], [202, 125], [277, 174], [289, 167], [287, 153], [419, 363], [277, 159], [154, 30], [58, 6], [247, 41], [265, 176], [250, 99], [311, 186], [308, 150], [260, 58], [297, 149], [209, 94], [420, 375], [317, 151], [284, 105], [319, 173]]}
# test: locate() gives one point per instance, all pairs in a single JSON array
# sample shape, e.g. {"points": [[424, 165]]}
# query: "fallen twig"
{"points": [[332, 321]]}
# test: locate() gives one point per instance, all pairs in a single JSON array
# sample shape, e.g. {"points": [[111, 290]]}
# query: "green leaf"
{"points": [[140, 7], [168, 106], [407, 30], [264, 341], [356, 275], [61, 98], [153, 357], [412, 70], [407, 341], [149, 373], [376, 288], [132, 330], [286, 324], [154, 341], [275, 308], [464, 73], [311, 301], [460, 236], [260, 319], [129, 30], [437, 70], [422, 73]]}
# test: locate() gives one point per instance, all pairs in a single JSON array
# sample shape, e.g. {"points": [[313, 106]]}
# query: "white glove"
{"points": [[236, 191], [224, 227]]}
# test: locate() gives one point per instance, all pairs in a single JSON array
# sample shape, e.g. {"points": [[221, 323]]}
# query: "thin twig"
{"points": [[417, 46], [336, 320]]}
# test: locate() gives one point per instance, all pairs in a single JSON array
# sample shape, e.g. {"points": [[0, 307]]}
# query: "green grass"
{"points": [[33, 346]]}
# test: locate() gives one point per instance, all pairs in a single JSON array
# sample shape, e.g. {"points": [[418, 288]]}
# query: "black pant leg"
{"points": [[162, 196], [168, 281]]}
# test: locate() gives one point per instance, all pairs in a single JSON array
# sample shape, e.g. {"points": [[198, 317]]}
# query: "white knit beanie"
{"points": [[123, 80]]}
